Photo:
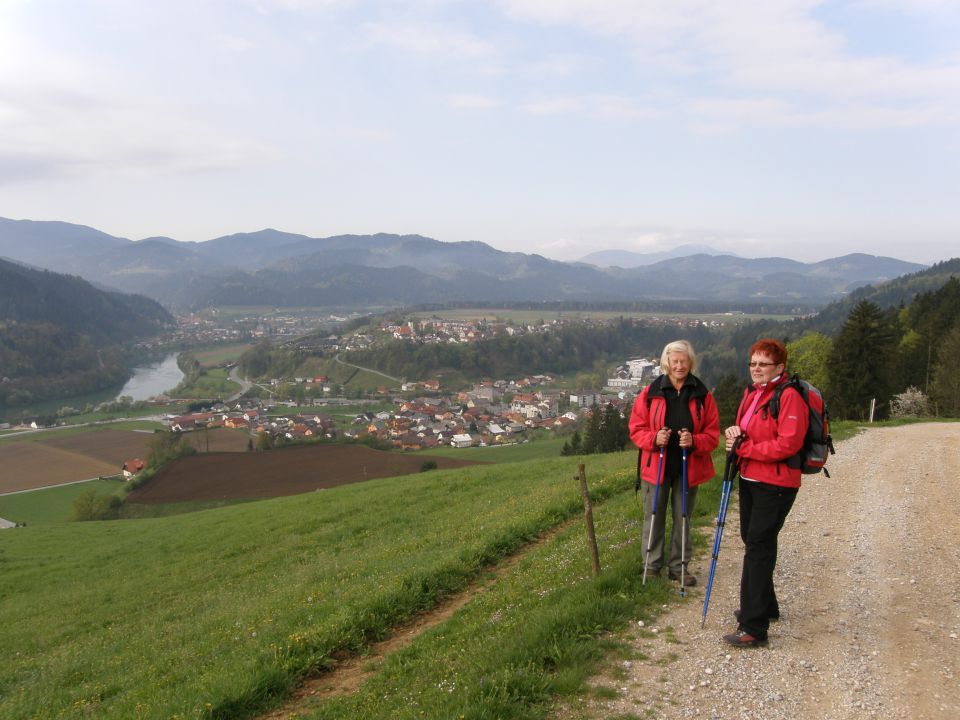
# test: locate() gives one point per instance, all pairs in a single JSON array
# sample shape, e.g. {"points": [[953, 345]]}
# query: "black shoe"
{"points": [[741, 638], [688, 579], [771, 618]]}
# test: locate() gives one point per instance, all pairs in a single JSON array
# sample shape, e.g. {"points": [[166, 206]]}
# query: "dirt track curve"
{"points": [[868, 579]]}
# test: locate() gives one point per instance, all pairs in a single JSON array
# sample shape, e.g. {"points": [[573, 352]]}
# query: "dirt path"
{"points": [[868, 579], [351, 670]]}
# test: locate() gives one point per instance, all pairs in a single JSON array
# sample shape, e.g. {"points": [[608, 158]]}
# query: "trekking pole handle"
{"points": [[732, 453]]}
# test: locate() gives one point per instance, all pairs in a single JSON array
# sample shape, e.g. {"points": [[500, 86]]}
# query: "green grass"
{"points": [[140, 511], [213, 383], [66, 431], [214, 613], [52, 505], [219, 354], [539, 449], [218, 613], [534, 634]]}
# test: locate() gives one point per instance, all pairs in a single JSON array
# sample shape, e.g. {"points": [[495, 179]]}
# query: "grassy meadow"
{"points": [[213, 383], [219, 354], [219, 614], [214, 614], [52, 505]]}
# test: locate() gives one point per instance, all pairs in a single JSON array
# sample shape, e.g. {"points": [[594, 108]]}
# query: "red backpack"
{"points": [[817, 443]]}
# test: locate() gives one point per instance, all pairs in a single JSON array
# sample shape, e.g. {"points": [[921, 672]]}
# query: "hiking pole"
{"points": [[729, 471], [653, 517], [683, 527]]}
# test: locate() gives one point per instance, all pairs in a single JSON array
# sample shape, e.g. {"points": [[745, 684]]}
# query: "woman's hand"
{"points": [[663, 437], [731, 434], [686, 439]]}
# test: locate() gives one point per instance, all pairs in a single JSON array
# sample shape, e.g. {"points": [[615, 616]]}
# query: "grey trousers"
{"points": [[670, 495]]}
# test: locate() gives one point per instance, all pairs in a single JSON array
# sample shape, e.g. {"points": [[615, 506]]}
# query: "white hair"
{"points": [[677, 346]]}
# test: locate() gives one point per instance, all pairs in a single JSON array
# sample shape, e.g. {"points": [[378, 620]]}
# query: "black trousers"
{"points": [[763, 510]]}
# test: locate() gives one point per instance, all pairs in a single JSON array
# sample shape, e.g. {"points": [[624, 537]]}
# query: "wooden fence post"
{"points": [[588, 519]]}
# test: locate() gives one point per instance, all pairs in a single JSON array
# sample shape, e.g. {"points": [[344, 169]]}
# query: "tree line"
{"points": [[877, 352]]}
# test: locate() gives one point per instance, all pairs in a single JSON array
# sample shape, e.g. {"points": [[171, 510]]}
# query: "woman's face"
{"points": [[679, 367], [763, 369]]}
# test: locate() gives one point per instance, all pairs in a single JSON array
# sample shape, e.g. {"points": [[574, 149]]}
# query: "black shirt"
{"points": [[677, 418]]}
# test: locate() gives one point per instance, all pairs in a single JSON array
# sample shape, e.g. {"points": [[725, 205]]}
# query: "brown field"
{"points": [[39, 463], [33, 465], [287, 471], [111, 446], [219, 440]]}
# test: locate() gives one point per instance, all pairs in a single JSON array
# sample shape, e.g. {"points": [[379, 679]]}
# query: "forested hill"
{"points": [[38, 296], [60, 336], [886, 295]]}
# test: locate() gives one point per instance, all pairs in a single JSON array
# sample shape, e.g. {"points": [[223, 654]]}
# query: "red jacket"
{"points": [[768, 442], [648, 417]]}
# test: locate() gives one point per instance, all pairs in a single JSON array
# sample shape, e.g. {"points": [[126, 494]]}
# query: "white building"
{"points": [[643, 369], [461, 441]]}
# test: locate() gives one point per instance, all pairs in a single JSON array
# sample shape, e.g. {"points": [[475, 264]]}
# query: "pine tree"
{"points": [[611, 430], [945, 388], [927, 321], [591, 434], [728, 394], [864, 352], [576, 443]]}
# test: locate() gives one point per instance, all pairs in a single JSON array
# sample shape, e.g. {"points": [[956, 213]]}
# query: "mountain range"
{"points": [[285, 269], [630, 259], [29, 296]]}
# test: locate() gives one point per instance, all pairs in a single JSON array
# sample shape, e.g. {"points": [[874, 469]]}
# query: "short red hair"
{"points": [[775, 349]]}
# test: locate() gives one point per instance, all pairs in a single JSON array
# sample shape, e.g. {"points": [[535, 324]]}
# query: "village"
{"points": [[492, 412]]}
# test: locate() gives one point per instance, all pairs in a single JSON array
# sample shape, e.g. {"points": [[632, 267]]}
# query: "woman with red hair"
{"points": [[768, 484]]}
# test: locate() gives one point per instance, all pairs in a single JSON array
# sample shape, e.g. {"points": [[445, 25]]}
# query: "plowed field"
{"points": [[287, 471], [40, 462]]}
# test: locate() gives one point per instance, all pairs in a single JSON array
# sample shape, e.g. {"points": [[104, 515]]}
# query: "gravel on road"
{"points": [[868, 579]]}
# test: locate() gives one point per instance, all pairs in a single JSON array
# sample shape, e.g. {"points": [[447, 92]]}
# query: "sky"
{"points": [[790, 128]]}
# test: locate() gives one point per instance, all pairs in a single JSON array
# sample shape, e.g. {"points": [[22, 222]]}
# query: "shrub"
{"points": [[90, 506], [428, 465], [910, 403]]}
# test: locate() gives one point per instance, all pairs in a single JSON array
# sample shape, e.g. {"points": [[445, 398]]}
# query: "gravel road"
{"points": [[868, 579]]}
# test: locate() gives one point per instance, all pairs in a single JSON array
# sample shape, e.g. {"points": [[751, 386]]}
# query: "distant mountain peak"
{"points": [[630, 259]]}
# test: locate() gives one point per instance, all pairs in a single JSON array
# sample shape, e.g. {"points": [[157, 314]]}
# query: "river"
{"points": [[155, 378]]}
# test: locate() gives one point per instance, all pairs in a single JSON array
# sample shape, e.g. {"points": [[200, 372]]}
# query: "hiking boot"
{"points": [[688, 579], [741, 638], [771, 618], [651, 572]]}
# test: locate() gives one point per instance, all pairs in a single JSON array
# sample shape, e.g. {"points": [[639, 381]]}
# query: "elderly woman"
{"points": [[768, 484], [674, 413]]}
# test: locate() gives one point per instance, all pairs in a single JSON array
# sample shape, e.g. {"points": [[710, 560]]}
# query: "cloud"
{"points": [[468, 101], [428, 38], [64, 115], [234, 43], [602, 107], [266, 7], [760, 62], [617, 107], [51, 127], [553, 106]]}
